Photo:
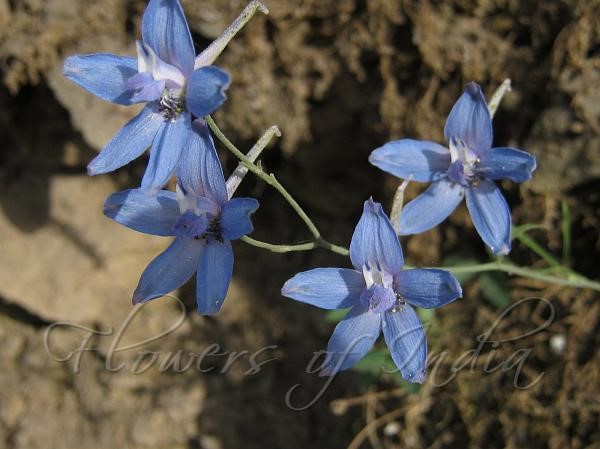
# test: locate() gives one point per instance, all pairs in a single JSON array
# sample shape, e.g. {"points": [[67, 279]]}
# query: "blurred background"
{"points": [[340, 78]]}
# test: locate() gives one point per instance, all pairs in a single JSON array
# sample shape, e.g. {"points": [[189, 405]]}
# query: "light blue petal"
{"points": [[170, 270], [327, 288], [199, 169], [166, 152], [508, 163], [102, 74], [422, 160], [206, 90], [143, 212], [166, 31], [378, 298], [406, 340], [490, 215], [427, 288], [214, 274], [352, 338], [470, 120], [374, 240], [145, 88], [235, 217], [431, 207], [129, 142]]}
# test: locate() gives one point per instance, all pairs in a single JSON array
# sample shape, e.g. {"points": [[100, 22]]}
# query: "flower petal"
{"points": [[430, 208], [427, 288], [327, 288], [140, 211], [199, 169], [352, 338], [374, 240], [166, 152], [378, 298], [129, 142], [490, 215], [422, 160], [102, 74], [508, 163], [406, 341], [235, 217], [214, 274], [165, 29], [145, 88], [206, 90], [470, 120], [170, 270]]}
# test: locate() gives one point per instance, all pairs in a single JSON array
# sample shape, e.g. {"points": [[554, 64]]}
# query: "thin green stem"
{"points": [[273, 182], [538, 249], [576, 281], [572, 280], [566, 231], [280, 248]]}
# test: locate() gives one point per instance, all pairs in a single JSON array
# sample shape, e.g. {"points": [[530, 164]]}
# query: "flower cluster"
{"points": [[180, 89]]}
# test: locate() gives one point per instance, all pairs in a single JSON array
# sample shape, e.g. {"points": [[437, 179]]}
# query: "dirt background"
{"points": [[339, 77]]}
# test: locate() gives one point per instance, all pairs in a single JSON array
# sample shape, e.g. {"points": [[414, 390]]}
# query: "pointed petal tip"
{"points": [[138, 298], [68, 65], [504, 250], [288, 288], [208, 312], [473, 89], [372, 206], [415, 378], [91, 169]]}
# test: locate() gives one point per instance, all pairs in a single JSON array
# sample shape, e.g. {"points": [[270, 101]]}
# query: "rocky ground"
{"points": [[339, 78]]}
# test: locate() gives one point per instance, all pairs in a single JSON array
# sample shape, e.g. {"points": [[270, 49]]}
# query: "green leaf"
{"points": [[375, 362], [334, 316], [565, 227], [525, 228], [379, 362], [427, 316], [494, 288], [411, 388]]}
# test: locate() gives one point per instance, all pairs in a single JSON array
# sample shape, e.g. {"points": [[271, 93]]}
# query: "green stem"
{"points": [[576, 281], [279, 248], [566, 231], [273, 182], [573, 279], [538, 249]]}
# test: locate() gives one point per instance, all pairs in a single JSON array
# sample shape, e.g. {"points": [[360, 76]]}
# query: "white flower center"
{"points": [[374, 274]]}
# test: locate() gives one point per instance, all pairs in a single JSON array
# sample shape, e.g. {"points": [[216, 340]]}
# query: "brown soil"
{"points": [[339, 77]]}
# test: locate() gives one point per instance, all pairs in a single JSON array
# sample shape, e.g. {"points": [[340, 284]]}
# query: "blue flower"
{"points": [[162, 76], [200, 217], [468, 168], [379, 294]]}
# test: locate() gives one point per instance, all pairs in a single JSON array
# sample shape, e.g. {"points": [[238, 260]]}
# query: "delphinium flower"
{"points": [[162, 76], [199, 215], [380, 295], [468, 168]]}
